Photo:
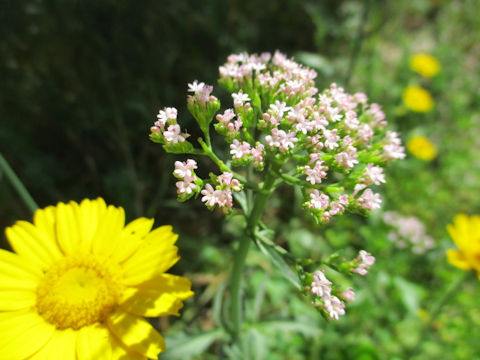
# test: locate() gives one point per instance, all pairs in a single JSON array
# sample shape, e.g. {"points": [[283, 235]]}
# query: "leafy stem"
{"points": [[253, 219]]}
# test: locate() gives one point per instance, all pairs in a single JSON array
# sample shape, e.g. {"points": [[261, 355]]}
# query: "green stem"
{"points": [[242, 251], [208, 151], [451, 291], [357, 42], [18, 185]]}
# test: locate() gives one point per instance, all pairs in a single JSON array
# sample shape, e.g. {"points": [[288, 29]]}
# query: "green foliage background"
{"points": [[82, 81]]}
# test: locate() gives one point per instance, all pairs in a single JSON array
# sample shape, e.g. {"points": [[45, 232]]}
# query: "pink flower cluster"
{"points": [[167, 127], [243, 152], [321, 288], [201, 92], [289, 78], [188, 184], [363, 262], [408, 231], [221, 195], [336, 144]]}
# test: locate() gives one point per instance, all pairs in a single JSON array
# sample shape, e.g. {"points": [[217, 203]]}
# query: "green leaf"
{"points": [[178, 148], [184, 347], [279, 262], [409, 293], [241, 198]]}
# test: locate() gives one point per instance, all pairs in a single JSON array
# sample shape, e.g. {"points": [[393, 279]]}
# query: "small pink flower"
{"points": [[318, 200], [226, 179], [334, 306], [369, 200], [373, 175], [185, 169], [331, 139], [185, 187], [320, 286], [336, 208], [364, 261], [348, 294], [240, 150], [360, 97], [210, 195], [317, 173], [196, 87], [365, 133], [257, 154], [279, 109], [239, 99], [172, 135], [347, 158], [393, 152], [281, 139]]}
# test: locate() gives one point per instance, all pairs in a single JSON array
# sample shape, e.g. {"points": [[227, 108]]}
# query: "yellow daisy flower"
{"points": [[422, 148], [424, 64], [465, 232], [80, 283], [417, 99]]}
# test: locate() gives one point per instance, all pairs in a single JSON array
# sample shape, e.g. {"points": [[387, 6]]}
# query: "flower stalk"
{"points": [[242, 251]]}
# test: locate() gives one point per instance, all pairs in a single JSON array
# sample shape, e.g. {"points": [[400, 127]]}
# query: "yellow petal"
{"points": [[456, 258], [93, 342], [136, 334], [89, 214], [12, 300], [33, 245], [131, 238], [61, 346], [150, 303], [177, 285], [110, 226], [160, 296], [67, 228], [155, 256], [121, 352], [45, 220], [22, 333], [16, 273]]}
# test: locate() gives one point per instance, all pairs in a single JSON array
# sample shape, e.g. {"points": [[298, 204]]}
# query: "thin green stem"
{"points": [[451, 291], [357, 42], [208, 151], [18, 185], [241, 254]]}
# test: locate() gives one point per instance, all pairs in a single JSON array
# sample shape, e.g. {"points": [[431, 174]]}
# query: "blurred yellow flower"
{"points": [[417, 99], [81, 282], [424, 64], [465, 232], [422, 148]]}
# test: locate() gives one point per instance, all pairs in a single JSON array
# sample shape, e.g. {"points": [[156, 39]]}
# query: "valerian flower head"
{"points": [[408, 231], [331, 144]]}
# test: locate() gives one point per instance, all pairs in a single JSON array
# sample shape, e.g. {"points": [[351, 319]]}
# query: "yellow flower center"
{"points": [[78, 291]]}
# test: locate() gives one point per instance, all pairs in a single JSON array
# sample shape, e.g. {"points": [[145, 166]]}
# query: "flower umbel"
{"points": [[465, 232], [81, 282]]}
